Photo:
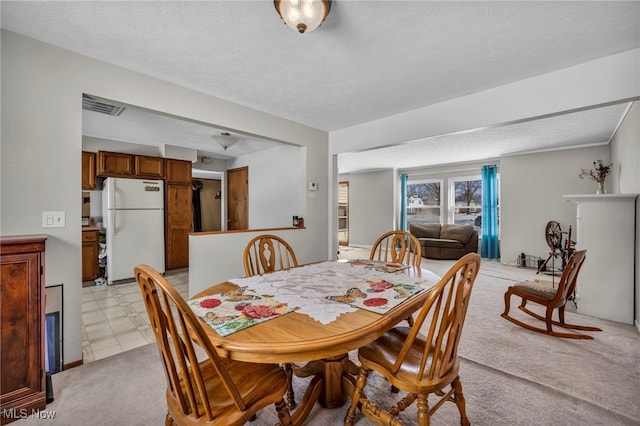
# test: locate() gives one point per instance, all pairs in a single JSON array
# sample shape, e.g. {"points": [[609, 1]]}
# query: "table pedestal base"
{"points": [[331, 385]]}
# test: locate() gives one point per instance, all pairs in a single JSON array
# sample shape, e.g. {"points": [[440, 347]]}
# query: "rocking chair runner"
{"points": [[550, 298]]}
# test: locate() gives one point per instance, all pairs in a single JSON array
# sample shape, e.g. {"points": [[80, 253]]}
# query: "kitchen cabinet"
{"points": [[178, 225], [90, 250], [178, 208], [88, 170], [178, 171], [117, 164], [149, 167], [22, 326]]}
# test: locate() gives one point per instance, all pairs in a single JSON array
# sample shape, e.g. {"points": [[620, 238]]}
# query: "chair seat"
{"points": [[537, 289], [269, 378], [381, 354]]}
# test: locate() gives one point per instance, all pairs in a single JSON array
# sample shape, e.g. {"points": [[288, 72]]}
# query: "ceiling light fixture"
{"points": [[303, 16], [225, 140]]}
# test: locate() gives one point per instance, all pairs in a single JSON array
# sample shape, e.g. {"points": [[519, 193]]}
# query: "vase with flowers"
{"points": [[599, 174]]}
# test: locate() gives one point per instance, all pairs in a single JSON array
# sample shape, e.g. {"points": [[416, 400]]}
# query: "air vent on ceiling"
{"points": [[95, 105]]}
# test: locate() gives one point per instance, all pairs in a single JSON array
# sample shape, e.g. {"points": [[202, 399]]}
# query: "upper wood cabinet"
{"points": [[117, 164], [88, 170], [178, 171], [149, 167]]}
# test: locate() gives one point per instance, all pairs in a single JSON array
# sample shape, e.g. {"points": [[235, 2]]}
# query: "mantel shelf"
{"points": [[577, 198]]}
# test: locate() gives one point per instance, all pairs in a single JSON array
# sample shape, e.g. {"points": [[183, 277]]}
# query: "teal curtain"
{"points": [[490, 246], [403, 202]]}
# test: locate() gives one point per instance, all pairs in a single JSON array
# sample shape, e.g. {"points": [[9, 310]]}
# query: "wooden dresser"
{"points": [[22, 326]]}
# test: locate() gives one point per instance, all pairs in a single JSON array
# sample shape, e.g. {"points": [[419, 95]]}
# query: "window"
{"points": [[424, 201], [466, 201], [343, 213]]}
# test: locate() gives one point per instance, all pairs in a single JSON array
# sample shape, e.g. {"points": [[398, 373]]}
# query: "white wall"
{"points": [[625, 154], [531, 190], [372, 205], [42, 89], [275, 189], [227, 248]]}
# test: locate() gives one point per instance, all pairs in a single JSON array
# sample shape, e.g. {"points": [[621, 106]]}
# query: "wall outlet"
{"points": [[53, 220]]}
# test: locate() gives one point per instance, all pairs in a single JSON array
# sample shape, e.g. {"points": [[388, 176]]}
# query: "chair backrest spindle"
{"points": [[397, 247], [268, 253]]}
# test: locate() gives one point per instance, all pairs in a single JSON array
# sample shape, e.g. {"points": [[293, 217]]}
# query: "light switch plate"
{"points": [[53, 220]]}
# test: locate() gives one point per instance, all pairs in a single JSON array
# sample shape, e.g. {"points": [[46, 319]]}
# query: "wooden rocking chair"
{"points": [[551, 298]]}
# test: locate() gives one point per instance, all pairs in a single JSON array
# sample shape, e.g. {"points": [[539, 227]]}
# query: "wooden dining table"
{"points": [[322, 348]]}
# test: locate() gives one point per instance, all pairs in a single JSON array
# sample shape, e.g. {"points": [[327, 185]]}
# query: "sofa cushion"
{"points": [[425, 230], [440, 243], [460, 233]]}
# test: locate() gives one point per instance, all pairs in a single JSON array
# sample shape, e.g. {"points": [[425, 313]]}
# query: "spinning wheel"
{"points": [[553, 234]]}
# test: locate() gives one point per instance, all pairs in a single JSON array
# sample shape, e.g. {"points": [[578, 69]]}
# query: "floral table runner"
{"points": [[377, 295], [236, 310]]}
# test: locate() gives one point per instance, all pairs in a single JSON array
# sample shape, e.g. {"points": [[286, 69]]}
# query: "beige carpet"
{"points": [[510, 375]]}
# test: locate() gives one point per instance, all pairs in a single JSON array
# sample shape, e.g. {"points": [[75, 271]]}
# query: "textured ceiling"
{"points": [[590, 127], [370, 59]]}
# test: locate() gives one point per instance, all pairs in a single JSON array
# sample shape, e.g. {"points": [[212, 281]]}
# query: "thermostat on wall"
{"points": [[313, 186]]}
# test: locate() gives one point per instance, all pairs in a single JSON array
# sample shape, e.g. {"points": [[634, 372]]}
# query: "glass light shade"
{"points": [[303, 15], [225, 140]]}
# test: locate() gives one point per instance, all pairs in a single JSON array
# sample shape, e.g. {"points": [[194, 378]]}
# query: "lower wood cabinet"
{"points": [[90, 249], [23, 388]]}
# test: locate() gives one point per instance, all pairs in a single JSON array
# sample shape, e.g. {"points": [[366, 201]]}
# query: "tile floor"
{"points": [[115, 320]]}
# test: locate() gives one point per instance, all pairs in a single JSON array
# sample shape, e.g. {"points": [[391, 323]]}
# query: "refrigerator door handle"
{"points": [[113, 222]]}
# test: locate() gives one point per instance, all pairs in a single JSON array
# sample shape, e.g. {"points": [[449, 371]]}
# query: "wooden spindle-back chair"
{"points": [[211, 390], [420, 364], [268, 253], [397, 247]]}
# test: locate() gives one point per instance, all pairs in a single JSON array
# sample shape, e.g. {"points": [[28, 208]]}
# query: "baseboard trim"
{"points": [[72, 364]]}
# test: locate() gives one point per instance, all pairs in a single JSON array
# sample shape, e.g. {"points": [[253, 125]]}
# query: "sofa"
{"points": [[445, 241]]}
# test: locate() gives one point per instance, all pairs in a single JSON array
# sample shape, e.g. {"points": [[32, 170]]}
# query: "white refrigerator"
{"points": [[133, 217]]}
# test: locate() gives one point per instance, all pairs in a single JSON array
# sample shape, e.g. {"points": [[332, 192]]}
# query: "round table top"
{"points": [[296, 337]]}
